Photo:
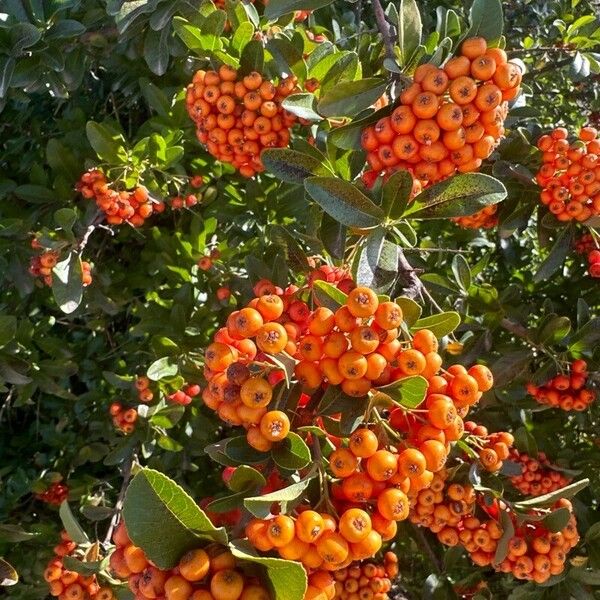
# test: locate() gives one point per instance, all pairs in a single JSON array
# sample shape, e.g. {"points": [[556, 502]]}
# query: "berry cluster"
{"points": [[585, 244], [42, 265], [206, 262], [69, 585], [594, 264], [366, 581], [442, 508], [211, 573], [449, 119], [142, 386], [538, 475], [185, 395], [570, 174], [123, 419], [56, 493], [124, 206], [238, 116], [567, 391], [493, 448], [337, 276], [190, 197], [485, 218], [534, 552]]}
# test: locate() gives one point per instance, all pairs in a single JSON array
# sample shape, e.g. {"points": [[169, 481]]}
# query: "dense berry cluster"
{"points": [[493, 448], [538, 475], [338, 276], [485, 218], [69, 585], [123, 418], [567, 391], [42, 265], [570, 174], [124, 206], [443, 507], [366, 581], [56, 493], [211, 573], [238, 116], [449, 119], [534, 552]]}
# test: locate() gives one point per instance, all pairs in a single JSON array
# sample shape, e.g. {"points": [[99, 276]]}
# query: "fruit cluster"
{"points": [[142, 386], [366, 581], [538, 476], [534, 552], [449, 119], [211, 573], [185, 395], [238, 116], [132, 207], [190, 197], [42, 265], [123, 418], [585, 244], [69, 585], [443, 507], [493, 448], [570, 174], [56, 493], [567, 391], [594, 263], [486, 218]]}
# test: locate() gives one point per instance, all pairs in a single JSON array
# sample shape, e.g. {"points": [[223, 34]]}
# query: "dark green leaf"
{"points": [[396, 193], [153, 498], [253, 57], [441, 324], [557, 519], [486, 20], [508, 531], [8, 574], [558, 253], [260, 506], [71, 525], [291, 453], [328, 295], [344, 202], [8, 329], [291, 166], [461, 271], [303, 105], [108, 144], [333, 236], [457, 196], [274, 10], [409, 391], [586, 337], [411, 311], [348, 98], [409, 29], [549, 499]]}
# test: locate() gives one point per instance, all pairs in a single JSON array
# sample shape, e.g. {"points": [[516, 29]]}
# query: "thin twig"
{"points": [[422, 541], [539, 49], [119, 503], [384, 29]]}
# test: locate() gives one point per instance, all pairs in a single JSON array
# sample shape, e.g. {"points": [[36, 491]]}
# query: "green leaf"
{"points": [[260, 506], [291, 166], [71, 525], [508, 531], [377, 264], [243, 33], [162, 368], [558, 253], [85, 568], [287, 57], [67, 285], [8, 574], [287, 578], [291, 453], [36, 194], [441, 324], [585, 576], [549, 499], [409, 391], [190, 35], [333, 236], [553, 329], [245, 477], [524, 440], [277, 9], [65, 218], [352, 409], [253, 57], [8, 329], [411, 311], [509, 366], [410, 29], [295, 256], [152, 498], [458, 196], [557, 519], [64, 28], [15, 533], [396, 194], [7, 67], [486, 19], [303, 105], [238, 450], [108, 144], [586, 338], [344, 202], [328, 295], [461, 271], [156, 50], [349, 98]]}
